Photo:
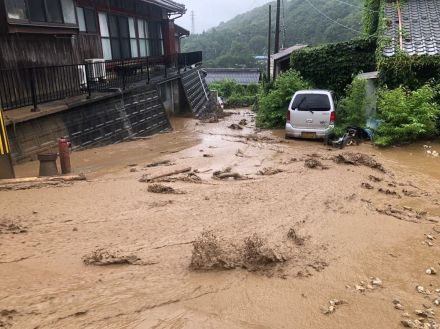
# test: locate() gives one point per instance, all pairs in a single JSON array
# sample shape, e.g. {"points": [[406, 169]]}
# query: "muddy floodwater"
{"points": [[220, 225]]}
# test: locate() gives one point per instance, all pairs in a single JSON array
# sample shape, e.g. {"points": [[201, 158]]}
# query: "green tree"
{"points": [[273, 103]]}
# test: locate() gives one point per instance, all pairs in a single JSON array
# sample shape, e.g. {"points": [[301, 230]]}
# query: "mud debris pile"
{"points": [[358, 159], [210, 253], [269, 171], [160, 163], [313, 163], [103, 257], [10, 227], [227, 173], [186, 178], [213, 253], [163, 189], [235, 126]]}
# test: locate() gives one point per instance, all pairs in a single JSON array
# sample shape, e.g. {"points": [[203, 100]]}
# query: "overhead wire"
{"points": [[355, 6], [331, 19]]}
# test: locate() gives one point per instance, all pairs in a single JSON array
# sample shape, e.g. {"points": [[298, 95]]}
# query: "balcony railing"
{"points": [[30, 86]]}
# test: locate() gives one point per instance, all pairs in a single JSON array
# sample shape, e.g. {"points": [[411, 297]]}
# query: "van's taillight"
{"points": [[288, 116], [332, 117]]}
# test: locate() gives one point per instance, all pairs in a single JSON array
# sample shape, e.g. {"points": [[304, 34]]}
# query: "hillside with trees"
{"points": [[236, 42]]}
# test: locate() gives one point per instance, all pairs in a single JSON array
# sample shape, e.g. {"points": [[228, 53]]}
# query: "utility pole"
{"points": [[269, 42], [193, 22], [277, 27]]}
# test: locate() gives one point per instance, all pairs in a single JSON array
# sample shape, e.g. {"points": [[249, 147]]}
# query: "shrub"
{"points": [[406, 115], [236, 95], [226, 88], [352, 109], [273, 103]]}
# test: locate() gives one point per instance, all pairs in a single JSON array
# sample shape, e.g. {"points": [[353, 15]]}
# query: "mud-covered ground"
{"points": [[255, 232]]}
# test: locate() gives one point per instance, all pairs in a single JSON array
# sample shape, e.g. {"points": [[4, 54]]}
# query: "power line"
{"points": [[352, 5], [331, 19]]}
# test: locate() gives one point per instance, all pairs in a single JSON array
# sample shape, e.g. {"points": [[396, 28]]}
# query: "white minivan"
{"points": [[311, 114]]}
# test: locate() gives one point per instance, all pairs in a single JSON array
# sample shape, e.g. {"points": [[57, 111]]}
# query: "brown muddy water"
{"points": [[350, 233]]}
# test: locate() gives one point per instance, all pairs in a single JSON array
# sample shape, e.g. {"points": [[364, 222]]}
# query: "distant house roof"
{"points": [[169, 5], [285, 53], [421, 26], [180, 31], [241, 76]]}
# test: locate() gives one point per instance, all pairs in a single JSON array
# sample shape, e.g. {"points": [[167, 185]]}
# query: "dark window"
{"points": [[124, 37], [113, 26], [54, 12], [49, 11], [119, 36], [90, 18], [37, 11], [116, 48], [311, 102], [156, 39], [125, 47], [16, 9]]}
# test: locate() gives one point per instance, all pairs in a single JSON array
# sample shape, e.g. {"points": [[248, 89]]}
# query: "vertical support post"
{"points": [[166, 59], [269, 37], [148, 69], [277, 36], [88, 80], [123, 75], [33, 90], [6, 167]]}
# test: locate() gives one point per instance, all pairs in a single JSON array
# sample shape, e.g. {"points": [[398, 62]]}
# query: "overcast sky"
{"points": [[209, 13]]}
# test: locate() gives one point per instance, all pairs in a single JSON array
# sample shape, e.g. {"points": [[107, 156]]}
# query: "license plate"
{"points": [[308, 135]]}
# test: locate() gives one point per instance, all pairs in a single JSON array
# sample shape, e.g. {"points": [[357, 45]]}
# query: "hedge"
{"points": [[333, 66]]}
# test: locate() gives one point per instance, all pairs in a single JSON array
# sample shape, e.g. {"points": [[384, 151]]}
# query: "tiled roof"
{"points": [[421, 26], [241, 76], [287, 52]]}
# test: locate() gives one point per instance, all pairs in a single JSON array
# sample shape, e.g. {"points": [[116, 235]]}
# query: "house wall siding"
{"points": [[34, 49], [32, 45]]}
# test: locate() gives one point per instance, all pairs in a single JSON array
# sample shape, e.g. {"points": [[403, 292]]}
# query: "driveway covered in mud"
{"points": [[219, 225]]}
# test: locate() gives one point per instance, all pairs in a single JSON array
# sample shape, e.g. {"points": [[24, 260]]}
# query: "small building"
{"points": [[280, 62], [242, 77]]}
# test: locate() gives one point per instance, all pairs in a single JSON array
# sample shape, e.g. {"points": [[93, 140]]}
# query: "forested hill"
{"points": [[237, 41]]}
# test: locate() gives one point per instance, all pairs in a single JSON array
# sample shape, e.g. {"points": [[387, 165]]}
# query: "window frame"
{"points": [[46, 22], [86, 24], [145, 38]]}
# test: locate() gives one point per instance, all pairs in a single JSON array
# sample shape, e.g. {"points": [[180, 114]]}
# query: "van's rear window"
{"points": [[311, 102]]}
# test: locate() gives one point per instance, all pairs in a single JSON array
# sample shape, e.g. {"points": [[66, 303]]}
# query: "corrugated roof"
{"points": [[241, 76], [169, 5], [287, 52], [421, 26]]}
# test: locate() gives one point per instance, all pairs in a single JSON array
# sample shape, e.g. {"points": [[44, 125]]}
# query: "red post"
{"points": [[64, 150]]}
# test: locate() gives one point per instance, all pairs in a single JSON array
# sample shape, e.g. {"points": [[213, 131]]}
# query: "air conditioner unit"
{"points": [[96, 69]]}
